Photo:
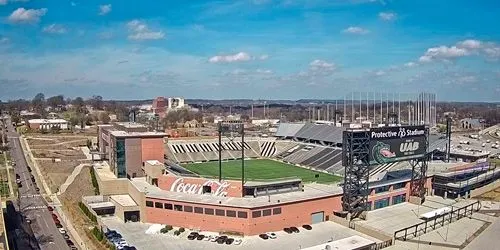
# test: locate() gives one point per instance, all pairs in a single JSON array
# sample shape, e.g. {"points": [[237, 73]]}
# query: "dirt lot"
{"points": [[81, 186], [62, 147], [493, 195]]}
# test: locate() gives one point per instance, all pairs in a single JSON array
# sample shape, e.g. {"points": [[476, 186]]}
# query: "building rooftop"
{"points": [[118, 133], [311, 191], [104, 172], [47, 121], [353, 242], [131, 125], [124, 200]]}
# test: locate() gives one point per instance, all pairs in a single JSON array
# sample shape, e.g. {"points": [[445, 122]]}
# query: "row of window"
{"points": [[211, 211], [386, 188], [386, 201]]}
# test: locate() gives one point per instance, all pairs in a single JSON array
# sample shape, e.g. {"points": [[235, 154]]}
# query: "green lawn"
{"points": [[259, 169]]}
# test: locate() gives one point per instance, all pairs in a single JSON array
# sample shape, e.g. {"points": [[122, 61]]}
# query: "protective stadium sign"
{"points": [[393, 144]]}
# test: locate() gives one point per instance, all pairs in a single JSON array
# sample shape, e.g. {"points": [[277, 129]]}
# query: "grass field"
{"points": [[260, 169]]}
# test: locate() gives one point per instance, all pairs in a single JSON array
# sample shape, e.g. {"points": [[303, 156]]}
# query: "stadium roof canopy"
{"points": [[310, 131]]}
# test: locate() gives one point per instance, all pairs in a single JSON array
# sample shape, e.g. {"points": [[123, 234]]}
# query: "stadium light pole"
{"points": [[242, 159], [220, 151]]}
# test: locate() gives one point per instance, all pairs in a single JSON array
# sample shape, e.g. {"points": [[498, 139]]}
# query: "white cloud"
{"points": [[54, 29], [238, 57], [4, 2], [104, 9], [411, 64], [138, 31], [356, 30], [322, 65], [380, 73], [461, 49], [388, 16], [22, 15], [264, 57], [264, 71]]}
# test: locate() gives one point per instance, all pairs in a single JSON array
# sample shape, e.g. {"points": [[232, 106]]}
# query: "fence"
{"points": [[440, 220]]}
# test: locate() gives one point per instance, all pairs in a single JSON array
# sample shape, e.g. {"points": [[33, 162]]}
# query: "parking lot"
{"points": [[134, 234]]}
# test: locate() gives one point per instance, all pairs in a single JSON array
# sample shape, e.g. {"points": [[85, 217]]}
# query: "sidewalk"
{"points": [[55, 201], [71, 178]]}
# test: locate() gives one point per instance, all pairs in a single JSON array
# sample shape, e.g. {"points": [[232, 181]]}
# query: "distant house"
{"points": [[469, 123], [192, 124], [48, 124]]}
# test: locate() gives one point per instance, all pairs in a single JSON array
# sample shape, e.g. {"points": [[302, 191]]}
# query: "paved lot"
{"points": [[134, 233]]}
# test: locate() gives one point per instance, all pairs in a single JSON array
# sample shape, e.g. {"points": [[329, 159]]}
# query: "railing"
{"points": [[440, 220]]}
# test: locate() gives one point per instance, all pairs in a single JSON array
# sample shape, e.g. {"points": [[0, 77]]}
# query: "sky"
{"points": [[254, 49]]}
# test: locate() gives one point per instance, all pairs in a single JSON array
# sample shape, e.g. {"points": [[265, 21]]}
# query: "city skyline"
{"points": [[250, 49]]}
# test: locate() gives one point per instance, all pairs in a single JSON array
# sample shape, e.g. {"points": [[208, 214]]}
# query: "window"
{"points": [[198, 210], [381, 203], [158, 205], [149, 204], [398, 199], [168, 206], [121, 169], [381, 189], [220, 212], [256, 214], [188, 209], [266, 212], [231, 213], [242, 214], [277, 210], [178, 207], [209, 211], [398, 185]]}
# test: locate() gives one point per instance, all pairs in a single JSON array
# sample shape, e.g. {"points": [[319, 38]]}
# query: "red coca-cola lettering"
{"points": [[218, 188]]}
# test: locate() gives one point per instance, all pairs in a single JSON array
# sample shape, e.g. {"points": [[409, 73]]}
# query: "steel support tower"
{"points": [[419, 172], [356, 160]]}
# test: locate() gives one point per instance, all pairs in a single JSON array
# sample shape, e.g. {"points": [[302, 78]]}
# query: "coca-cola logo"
{"points": [[218, 188]]}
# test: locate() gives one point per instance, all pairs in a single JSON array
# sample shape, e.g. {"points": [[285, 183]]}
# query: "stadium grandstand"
{"points": [[316, 146]]}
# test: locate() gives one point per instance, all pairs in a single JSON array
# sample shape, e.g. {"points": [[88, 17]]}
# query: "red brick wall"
{"points": [[152, 149]]}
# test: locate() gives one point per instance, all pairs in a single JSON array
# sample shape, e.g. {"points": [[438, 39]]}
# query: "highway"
{"points": [[30, 202]]}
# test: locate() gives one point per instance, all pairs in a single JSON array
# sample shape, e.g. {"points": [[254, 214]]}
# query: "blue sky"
{"points": [[273, 49]]}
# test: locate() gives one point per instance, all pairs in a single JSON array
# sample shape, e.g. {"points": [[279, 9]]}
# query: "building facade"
{"points": [[47, 124]]}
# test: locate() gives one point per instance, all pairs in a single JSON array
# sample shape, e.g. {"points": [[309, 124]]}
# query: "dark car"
{"points": [[294, 229], [307, 227], [54, 216], [70, 243], [229, 241], [29, 169], [200, 237], [264, 236], [191, 237], [50, 208], [221, 240], [19, 184], [287, 230], [58, 225], [129, 248], [37, 189]]}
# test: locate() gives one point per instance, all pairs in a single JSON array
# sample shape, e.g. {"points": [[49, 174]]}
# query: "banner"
{"points": [[393, 144]]}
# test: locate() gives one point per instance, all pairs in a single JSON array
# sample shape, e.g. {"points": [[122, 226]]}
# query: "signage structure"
{"points": [[393, 144], [217, 188]]}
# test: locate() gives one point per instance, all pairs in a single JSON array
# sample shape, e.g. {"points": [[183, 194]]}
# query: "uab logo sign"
{"points": [[409, 146]]}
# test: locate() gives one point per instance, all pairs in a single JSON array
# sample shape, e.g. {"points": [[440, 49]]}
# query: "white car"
{"points": [[237, 242], [213, 238], [208, 237], [62, 231], [271, 235]]}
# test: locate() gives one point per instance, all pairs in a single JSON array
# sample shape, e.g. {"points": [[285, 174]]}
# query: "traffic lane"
{"points": [[49, 236]]}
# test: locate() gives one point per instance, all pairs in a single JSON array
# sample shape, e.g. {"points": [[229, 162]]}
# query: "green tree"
{"points": [[56, 101], [38, 103]]}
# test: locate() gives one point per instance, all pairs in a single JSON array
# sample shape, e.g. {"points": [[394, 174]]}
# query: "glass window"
{"points": [[256, 214], [168, 206], [381, 203], [178, 207], [231, 213], [277, 210], [266, 212], [398, 185], [209, 211], [198, 210], [220, 212], [381, 189], [149, 204], [188, 209], [398, 199], [158, 205], [121, 169], [242, 214]]}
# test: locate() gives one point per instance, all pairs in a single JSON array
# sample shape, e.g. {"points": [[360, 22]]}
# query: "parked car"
{"points": [[56, 221], [191, 237], [54, 216], [271, 235], [237, 241], [66, 236], [70, 243], [287, 230], [58, 225], [294, 229], [50, 208], [264, 236], [212, 238], [307, 227], [229, 241], [221, 240], [62, 231], [200, 237]]}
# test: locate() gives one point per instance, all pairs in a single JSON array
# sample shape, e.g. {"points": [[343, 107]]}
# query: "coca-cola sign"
{"points": [[218, 188]]}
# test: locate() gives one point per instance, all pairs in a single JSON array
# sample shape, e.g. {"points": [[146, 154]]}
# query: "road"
{"points": [[30, 202]]}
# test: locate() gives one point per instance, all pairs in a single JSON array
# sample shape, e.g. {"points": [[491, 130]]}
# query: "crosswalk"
{"points": [[31, 196], [35, 207]]}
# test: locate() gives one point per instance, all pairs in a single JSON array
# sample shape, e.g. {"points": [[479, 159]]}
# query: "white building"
{"points": [[48, 124]]}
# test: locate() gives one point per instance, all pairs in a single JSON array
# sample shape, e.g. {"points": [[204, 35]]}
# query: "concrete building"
{"points": [[48, 124], [127, 146]]}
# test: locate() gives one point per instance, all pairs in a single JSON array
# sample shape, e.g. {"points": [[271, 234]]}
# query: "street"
{"points": [[30, 202]]}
